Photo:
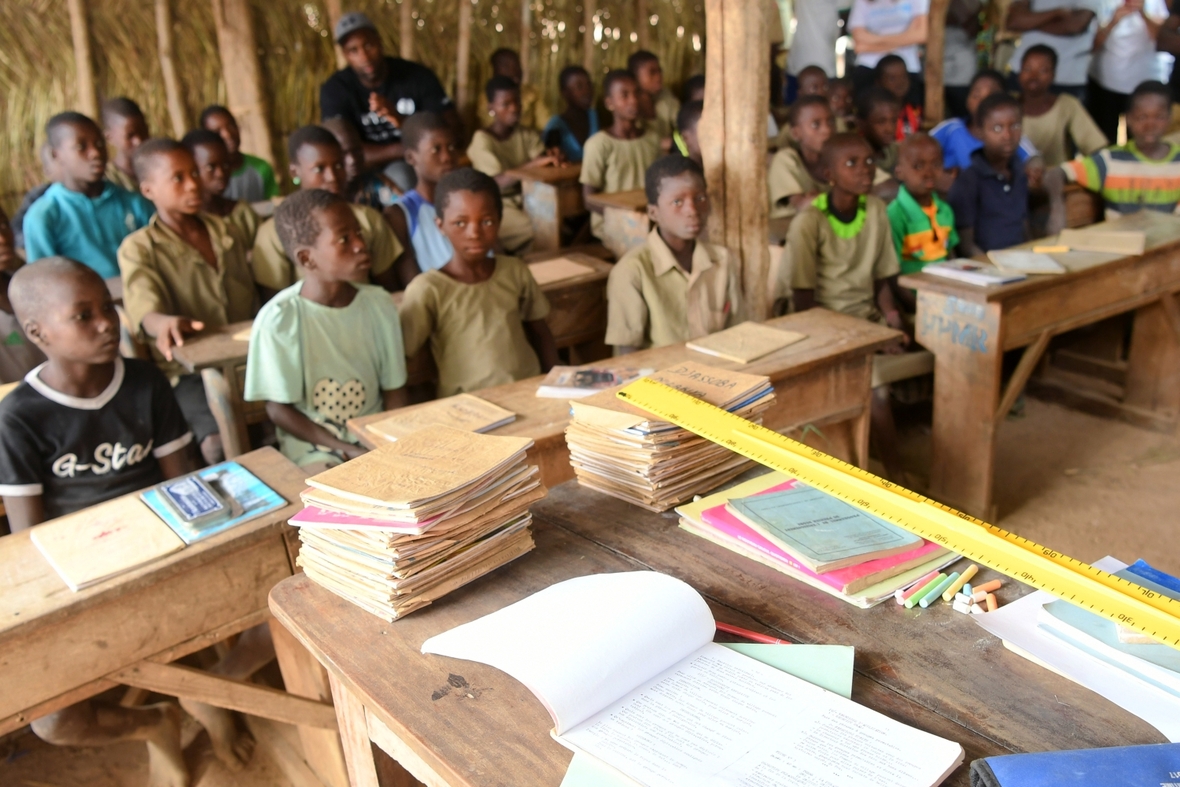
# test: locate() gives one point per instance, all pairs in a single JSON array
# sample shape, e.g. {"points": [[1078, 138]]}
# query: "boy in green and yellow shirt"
{"points": [[923, 224]]}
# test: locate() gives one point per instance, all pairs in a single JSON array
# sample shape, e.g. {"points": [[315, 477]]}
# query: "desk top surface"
{"points": [[33, 592], [831, 338], [568, 172], [1162, 231], [934, 669], [214, 347], [626, 200]]}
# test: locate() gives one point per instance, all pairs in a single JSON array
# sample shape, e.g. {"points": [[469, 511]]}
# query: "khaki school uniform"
{"points": [[476, 331], [164, 274], [1067, 119], [787, 178], [667, 107], [840, 262], [274, 271], [653, 302], [246, 220], [534, 113], [610, 164], [121, 178], [493, 157]]}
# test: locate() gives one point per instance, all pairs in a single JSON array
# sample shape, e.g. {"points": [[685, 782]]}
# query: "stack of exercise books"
{"points": [[621, 450], [814, 538], [411, 521]]}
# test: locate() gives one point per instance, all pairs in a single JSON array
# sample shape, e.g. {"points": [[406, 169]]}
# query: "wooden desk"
{"points": [[551, 195], [625, 224], [58, 647], [969, 328], [218, 349], [452, 722], [822, 381]]}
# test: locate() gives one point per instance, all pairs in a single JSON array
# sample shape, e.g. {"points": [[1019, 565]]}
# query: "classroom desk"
{"points": [[625, 224], [58, 647], [217, 349], [551, 195], [452, 722], [821, 381], [969, 328]]}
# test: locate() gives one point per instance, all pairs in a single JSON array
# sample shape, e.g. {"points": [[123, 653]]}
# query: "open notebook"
{"points": [[626, 666]]}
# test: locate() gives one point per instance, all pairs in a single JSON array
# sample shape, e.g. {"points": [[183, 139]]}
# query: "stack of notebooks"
{"points": [[621, 450], [814, 538], [407, 523]]}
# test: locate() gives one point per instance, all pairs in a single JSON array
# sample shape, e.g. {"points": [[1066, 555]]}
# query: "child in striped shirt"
{"points": [[1144, 174]]}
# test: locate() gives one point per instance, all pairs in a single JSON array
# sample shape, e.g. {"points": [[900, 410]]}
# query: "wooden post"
{"points": [[83, 61], [176, 112], [407, 30], [733, 142], [588, 37], [526, 41], [935, 41], [334, 14], [243, 78], [463, 59], [642, 27]]}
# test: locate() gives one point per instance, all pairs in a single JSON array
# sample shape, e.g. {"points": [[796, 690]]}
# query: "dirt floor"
{"points": [[1086, 486]]}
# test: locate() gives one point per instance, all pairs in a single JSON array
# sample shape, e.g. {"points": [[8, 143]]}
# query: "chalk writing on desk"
{"points": [[957, 306], [960, 331]]}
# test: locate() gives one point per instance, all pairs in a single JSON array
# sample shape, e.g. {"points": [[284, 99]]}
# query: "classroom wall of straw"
{"points": [[37, 70]]}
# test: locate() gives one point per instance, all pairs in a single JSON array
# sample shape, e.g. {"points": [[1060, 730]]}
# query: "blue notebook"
{"points": [[1156, 765], [245, 496]]}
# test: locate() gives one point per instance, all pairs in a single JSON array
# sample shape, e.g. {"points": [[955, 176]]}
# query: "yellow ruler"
{"points": [[1112, 597]]}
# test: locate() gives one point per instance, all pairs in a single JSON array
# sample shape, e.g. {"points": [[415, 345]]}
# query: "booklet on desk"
{"points": [[242, 496], [1153, 765], [972, 272], [626, 666]]}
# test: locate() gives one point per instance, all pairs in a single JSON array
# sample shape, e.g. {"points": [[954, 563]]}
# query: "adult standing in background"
{"points": [[1124, 56], [376, 92], [889, 27], [817, 27], [1065, 26], [960, 60]]}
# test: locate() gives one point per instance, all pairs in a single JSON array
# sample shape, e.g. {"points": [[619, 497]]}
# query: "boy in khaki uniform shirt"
{"points": [[184, 272], [617, 158], [502, 147], [533, 111], [125, 129], [657, 105], [317, 162], [673, 288]]}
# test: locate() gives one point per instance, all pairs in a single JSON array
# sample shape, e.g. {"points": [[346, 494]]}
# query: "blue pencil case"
{"points": [[1156, 765]]}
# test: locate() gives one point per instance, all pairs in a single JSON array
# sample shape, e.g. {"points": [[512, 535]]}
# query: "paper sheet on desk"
{"points": [[1016, 623]]}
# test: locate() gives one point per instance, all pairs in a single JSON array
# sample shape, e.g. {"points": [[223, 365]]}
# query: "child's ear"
{"points": [[438, 222], [32, 330], [411, 157], [653, 213], [303, 258]]}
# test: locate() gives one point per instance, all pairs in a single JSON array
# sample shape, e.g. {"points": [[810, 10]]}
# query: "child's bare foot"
{"points": [[165, 761], [233, 748]]}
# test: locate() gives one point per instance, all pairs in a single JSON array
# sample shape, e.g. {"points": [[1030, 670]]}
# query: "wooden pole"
{"points": [[642, 27], [243, 77], [407, 30], [935, 46], [463, 59], [83, 60], [176, 112], [588, 37], [526, 40], [334, 14], [733, 143]]}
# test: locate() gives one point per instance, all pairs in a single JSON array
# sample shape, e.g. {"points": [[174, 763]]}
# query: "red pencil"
{"points": [[753, 636]]}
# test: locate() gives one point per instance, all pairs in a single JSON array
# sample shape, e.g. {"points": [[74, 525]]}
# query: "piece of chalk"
{"points": [[1050, 249], [991, 602], [977, 610], [966, 589], [904, 594], [988, 587], [961, 606], [913, 600], [939, 589], [979, 596], [963, 579]]}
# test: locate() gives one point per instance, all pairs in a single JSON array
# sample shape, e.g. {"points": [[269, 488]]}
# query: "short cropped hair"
{"points": [[612, 78], [466, 179], [691, 85], [1043, 51], [839, 141], [872, 98], [800, 104], [639, 59], [689, 115], [568, 73], [295, 219], [121, 108], [667, 167], [30, 284], [991, 104], [988, 74], [811, 70], [1151, 87], [886, 62], [309, 135], [211, 110], [500, 84], [146, 154], [418, 125], [201, 136], [55, 128]]}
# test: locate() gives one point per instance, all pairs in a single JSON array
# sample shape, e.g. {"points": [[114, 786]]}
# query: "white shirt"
{"points": [[959, 59], [817, 26], [1073, 52], [1129, 56], [885, 18]]}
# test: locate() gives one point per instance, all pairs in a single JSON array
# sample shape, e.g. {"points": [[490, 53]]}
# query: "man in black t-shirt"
{"points": [[376, 92]]}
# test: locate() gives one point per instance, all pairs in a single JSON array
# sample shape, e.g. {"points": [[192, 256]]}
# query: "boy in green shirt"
{"points": [[923, 224], [251, 178]]}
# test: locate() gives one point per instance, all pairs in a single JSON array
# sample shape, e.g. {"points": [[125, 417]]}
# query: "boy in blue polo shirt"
{"points": [[83, 216]]}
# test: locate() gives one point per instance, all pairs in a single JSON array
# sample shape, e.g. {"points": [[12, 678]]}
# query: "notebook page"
{"points": [[581, 644]]}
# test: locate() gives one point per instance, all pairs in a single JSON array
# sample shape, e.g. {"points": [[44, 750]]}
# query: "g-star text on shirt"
{"points": [[107, 457]]}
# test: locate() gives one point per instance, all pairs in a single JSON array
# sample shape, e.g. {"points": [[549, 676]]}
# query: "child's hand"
{"points": [[353, 451], [379, 105], [557, 156], [545, 160], [894, 321], [171, 332]]}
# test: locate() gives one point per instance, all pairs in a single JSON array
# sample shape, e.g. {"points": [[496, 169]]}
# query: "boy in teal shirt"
{"points": [[923, 224], [325, 349]]}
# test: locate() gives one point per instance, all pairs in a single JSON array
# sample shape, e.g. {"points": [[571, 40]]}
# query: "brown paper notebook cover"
{"points": [[746, 342], [1128, 243], [560, 269], [463, 411]]}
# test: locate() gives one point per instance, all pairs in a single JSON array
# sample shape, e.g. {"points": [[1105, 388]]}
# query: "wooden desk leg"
{"points": [[1153, 365], [354, 734], [541, 205], [236, 387], [304, 677], [859, 426], [965, 339]]}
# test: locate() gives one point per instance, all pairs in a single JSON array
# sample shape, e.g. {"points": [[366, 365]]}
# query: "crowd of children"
{"points": [[177, 225]]}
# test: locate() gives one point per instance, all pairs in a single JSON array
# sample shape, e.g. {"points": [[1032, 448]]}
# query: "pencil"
{"points": [[753, 636]]}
